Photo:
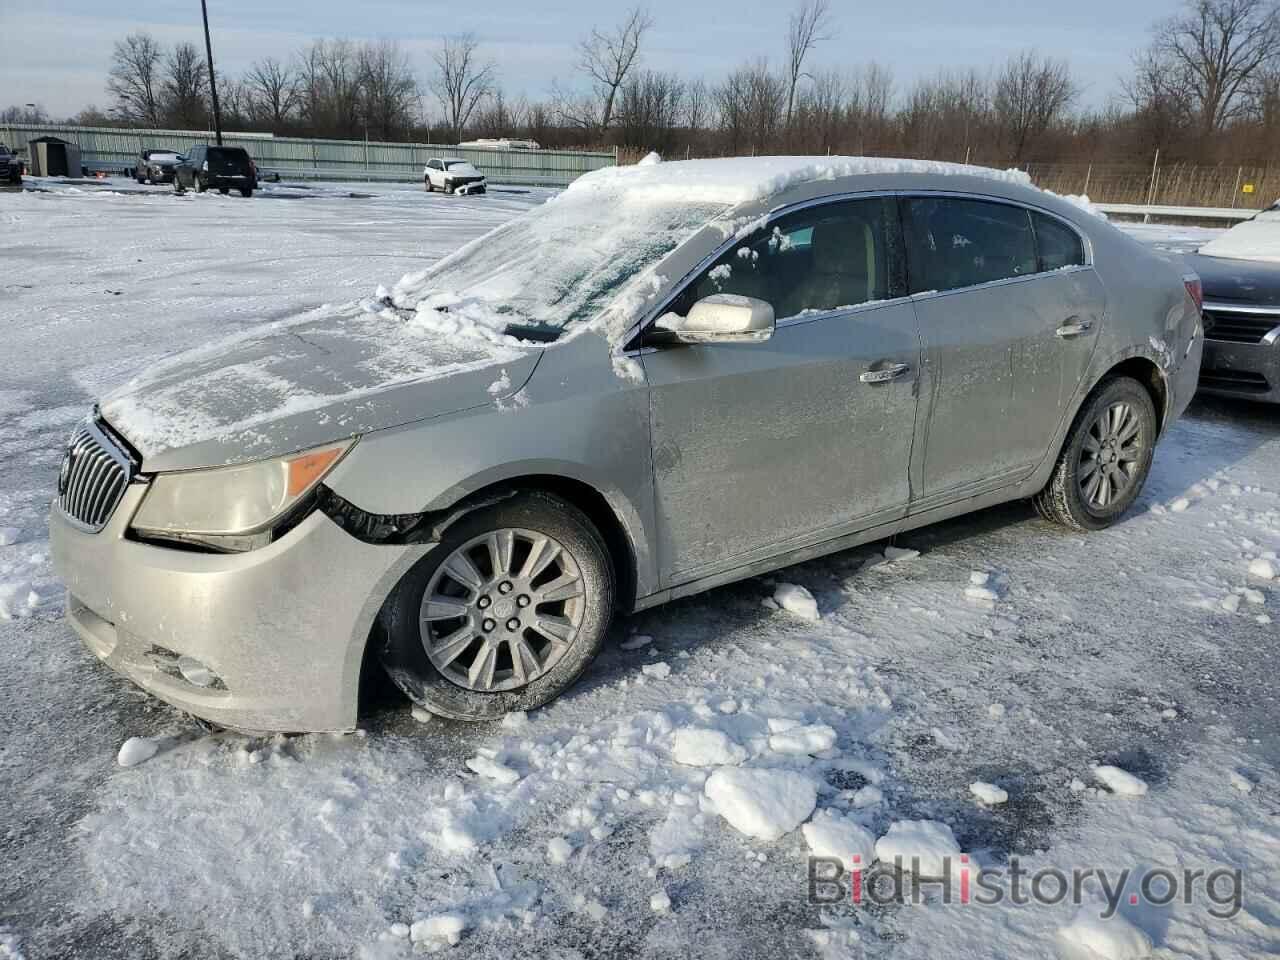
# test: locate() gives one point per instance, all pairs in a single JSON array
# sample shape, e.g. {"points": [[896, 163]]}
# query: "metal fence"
{"points": [[1229, 186], [115, 149]]}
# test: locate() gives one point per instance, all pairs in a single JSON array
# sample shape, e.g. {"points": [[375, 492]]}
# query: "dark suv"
{"points": [[10, 166], [223, 168]]}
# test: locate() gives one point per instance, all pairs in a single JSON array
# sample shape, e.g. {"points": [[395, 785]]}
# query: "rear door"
{"points": [[1009, 316], [763, 447]]}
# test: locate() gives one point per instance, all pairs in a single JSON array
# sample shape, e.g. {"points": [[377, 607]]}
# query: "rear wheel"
{"points": [[224, 190], [1105, 460], [246, 191], [198, 184], [503, 614]]}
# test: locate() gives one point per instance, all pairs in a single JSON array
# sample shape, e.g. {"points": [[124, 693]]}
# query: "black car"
{"points": [[1241, 319], [224, 169], [156, 165], [10, 166]]}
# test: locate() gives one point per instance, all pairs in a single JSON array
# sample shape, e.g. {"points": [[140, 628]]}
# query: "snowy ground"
{"points": [[630, 819]]}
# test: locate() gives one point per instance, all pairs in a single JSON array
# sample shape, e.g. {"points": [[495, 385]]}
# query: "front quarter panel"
{"points": [[575, 419]]}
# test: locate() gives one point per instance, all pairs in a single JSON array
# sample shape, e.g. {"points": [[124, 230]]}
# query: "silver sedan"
{"points": [[667, 378]]}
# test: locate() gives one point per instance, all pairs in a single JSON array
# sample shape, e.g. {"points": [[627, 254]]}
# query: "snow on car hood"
{"points": [[332, 373], [1256, 239]]}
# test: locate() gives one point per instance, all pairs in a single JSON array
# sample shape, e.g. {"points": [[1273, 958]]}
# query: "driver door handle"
{"points": [[891, 372], [1074, 327]]}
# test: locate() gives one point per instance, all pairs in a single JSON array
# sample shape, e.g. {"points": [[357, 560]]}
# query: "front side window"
{"points": [[1057, 244], [818, 259], [954, 242]]}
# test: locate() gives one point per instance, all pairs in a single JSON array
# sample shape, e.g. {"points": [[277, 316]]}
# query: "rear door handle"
{"points": [[891, 372], [1074, 328]]}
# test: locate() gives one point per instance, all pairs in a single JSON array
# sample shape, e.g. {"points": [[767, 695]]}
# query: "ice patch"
{"points": [[9, 536], [765, 804], [900, 553], [796, 600], [559, 850], [660, 902], [1262, 568], [658, 671], [17, 600]]}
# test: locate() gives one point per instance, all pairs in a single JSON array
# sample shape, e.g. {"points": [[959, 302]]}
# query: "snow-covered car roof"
{"points": [[1256, 239], [744, 179]]}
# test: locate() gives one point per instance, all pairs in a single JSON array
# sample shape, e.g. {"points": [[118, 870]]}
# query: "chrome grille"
{"points": [[1231, 324], [93, 478]]}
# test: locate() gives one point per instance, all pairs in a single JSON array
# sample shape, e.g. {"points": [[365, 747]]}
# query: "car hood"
{"points": [[312, 379], [1230, 280]]}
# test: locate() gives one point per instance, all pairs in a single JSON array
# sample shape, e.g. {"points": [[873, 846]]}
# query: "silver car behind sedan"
{"points": [[667, 378]]}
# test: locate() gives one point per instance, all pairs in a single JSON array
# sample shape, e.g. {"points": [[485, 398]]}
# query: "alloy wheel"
{"points": [[502, 609], [1111, 456]]}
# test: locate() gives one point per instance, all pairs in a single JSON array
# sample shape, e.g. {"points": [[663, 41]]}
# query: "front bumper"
{"points": [[283, 628], [1250, 371]]}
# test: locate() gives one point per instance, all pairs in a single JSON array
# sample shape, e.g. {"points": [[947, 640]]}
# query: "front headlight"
{"points": [[232, 508]]}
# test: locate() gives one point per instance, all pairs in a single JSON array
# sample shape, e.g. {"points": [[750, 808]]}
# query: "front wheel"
{"points": [[246, 191], [1105, 459], [426, 184], [198, 184], [504, 613]]}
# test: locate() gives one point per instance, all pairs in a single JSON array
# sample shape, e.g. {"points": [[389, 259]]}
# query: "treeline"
{"points": [[1204, 88]]}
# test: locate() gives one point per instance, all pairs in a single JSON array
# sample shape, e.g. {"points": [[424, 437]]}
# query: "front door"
{"points": [[763, 447]]}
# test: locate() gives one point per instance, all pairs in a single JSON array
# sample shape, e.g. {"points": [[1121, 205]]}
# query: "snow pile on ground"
{"points": [[446, 927], [830, 834], [1114, 938], [765, 804], [923, 847], [700, 747], [1256, 239], [988, 793], [17, 600], [1120, 781], [137, 750], [796, 600], [791, 736]]}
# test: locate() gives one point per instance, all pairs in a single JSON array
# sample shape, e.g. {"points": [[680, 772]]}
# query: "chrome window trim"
{"points": [[646, 319], [1237, 308]]}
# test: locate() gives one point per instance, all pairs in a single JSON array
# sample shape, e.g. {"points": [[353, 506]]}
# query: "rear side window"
{"points": [[956, 242], [1057, 244], [817, 259]]}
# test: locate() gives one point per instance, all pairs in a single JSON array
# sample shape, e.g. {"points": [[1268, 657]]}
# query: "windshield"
{"points": [[164, 157], [559, 263], [450, 164]]}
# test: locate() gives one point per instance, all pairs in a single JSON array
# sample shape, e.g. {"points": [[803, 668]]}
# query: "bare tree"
{"points": [[607, 58], [808, 27], [1211, 55], [1030, 93], [463, 81], [134, 79], [271, 89], [185, 87], [388, 89], [750, 102]]}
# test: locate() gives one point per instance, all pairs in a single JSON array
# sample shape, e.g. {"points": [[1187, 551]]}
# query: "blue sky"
{"points": [[57, 53]]}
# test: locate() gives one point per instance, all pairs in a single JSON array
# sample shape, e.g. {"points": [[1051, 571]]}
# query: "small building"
{"points": [[53, 157]]}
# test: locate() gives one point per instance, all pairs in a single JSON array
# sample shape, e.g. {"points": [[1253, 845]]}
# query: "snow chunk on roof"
{"points": [[742, 179], [1256, 239]]}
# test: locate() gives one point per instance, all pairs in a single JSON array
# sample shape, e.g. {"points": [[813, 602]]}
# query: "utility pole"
{"points": [[213, 84]]}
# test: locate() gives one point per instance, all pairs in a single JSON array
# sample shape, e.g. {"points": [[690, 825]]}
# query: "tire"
{"points": [[246, 191], [139, 178], [198, 184], [443, 686], [224, 190], [177, 187], [426, 184], [1105, 459]]}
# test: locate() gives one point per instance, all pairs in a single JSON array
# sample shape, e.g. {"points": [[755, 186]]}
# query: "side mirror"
{"points": [[721, 318]]}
